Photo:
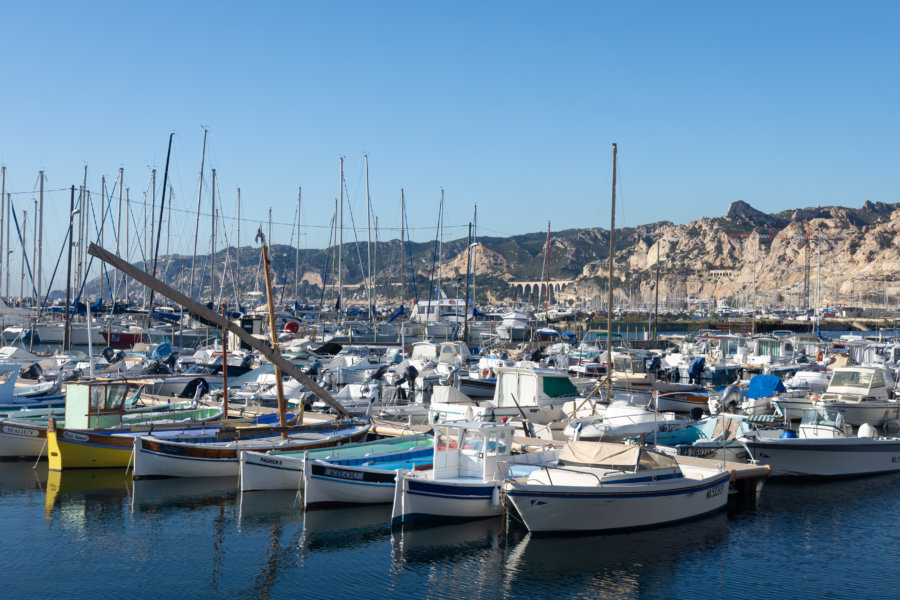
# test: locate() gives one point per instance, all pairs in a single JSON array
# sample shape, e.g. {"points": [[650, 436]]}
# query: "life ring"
{"points": [[819, 356], [291, 327], [485, 373]]}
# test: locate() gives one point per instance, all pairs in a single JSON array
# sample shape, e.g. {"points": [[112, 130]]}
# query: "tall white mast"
{"points": [[118, 230], [212, 271], [4, 257], [197, 225], [341, 247], [40, 240], [369, 246], [297, 257]]}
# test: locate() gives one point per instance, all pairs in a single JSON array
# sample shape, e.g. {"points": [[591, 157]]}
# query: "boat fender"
{"points": [[891, 427], [819, 356], [788, 434], [495, 496], [866, 431]]}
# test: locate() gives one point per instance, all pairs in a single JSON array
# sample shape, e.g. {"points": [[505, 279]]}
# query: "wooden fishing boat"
{"points": [[213, 456]]}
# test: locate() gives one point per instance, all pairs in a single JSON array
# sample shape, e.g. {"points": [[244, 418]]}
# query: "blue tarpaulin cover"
{"points": [[763, 386], [697, 366]]}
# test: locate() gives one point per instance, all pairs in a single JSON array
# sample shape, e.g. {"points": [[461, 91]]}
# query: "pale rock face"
{"points": [[857, 251]]}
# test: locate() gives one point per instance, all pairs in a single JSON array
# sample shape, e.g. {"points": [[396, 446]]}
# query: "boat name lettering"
{"points": [[895, 459], [269, 461], [75, 437], [716, 491], [342, 474], [20, 431]]}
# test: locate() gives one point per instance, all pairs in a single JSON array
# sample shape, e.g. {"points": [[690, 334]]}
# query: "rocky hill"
{"points": [[745, 253]]}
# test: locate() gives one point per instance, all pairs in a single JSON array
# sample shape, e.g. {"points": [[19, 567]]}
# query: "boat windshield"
{"points": [[820, 416], [857, 379]]}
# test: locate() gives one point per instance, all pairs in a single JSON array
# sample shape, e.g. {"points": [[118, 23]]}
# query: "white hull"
{"points": [[829, 457], [20, 440], [874, 413], [331, 485], [260, 471], [163, 458], [418, 499], [619, 506]]}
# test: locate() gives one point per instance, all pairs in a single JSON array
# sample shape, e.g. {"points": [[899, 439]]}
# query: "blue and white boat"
{"points": [[598, 486], [470, 461], [367, 479]]}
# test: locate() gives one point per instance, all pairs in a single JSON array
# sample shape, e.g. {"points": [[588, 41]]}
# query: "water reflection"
{"points": [[335, 529], [21, 477], [614, 565]]}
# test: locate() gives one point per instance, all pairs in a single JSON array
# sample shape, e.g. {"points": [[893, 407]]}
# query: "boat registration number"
{"points": [[716, 491]]}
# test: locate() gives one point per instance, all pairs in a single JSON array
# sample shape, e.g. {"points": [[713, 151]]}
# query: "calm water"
{"points": [[93, 535]]}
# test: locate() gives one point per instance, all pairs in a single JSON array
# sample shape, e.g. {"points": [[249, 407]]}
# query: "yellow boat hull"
{"points": [[86, 450]]}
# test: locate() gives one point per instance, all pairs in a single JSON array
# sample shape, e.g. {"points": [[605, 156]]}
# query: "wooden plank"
{"points": [[202, 311]]}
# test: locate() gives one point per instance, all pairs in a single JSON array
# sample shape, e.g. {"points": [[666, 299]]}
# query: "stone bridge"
{"points": [[535, 289]]}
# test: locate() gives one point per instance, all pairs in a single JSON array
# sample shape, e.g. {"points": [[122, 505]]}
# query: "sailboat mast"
{"points": [[197, 226], [118, 232], [238, 245], [402, 235], [369, 243], [547, 270], [127, 237], [162, 206], [609, 307], [297, 256], [212, 270], [102, 214], [340, 302], [441, 252], [40, 240], [4, 257]]}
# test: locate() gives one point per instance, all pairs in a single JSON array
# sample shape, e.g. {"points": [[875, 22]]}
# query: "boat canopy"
{"points": [[764, 386], [613, 456]]}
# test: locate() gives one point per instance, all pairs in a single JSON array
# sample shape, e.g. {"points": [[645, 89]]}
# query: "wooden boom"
{"points": [[211, 316]]}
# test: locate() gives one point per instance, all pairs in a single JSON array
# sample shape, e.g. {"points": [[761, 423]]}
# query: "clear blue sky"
{"points": [[512, 105]]}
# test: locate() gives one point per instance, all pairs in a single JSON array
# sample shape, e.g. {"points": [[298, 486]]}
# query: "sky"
{"points": [[512, 106]]}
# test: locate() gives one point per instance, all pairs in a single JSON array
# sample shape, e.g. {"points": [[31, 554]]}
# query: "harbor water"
{"points": [[95, 534]]}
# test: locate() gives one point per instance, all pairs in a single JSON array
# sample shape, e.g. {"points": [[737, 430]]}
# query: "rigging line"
{"points": [[326, 267], [433, 263], [22, 243], [362, 268], [412, 271], [53, 277], [291, 244], [97, 231]]}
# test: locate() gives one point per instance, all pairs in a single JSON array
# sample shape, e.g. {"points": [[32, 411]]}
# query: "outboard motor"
{"points": [[378, 375], [696, 413], [731, 398], [34, 371], [313, 369], [191, 389], [108, 354]]}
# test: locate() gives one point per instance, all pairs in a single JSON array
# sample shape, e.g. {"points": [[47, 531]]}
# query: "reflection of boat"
{"points": [[178, 494], [17, 477], [341, 528], [435, 544], [604, 487], [109, 485], [265, 507], [611, 565]]}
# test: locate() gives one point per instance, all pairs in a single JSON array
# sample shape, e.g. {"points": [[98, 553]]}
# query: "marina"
{"points": [[468, 301]]}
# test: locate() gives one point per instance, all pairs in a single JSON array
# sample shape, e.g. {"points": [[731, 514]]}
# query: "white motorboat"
{"points": [[861, 395], [600, 486], [464, 482], [824, 446], [628, 415]]}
